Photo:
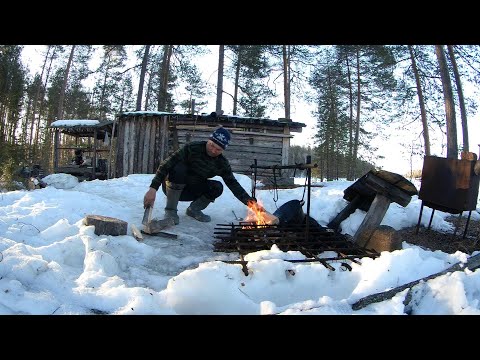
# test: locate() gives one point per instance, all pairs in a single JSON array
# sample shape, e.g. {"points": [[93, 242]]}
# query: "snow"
{"points": [[51, 263]]}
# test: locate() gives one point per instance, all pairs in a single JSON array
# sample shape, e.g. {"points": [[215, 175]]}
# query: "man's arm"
{"points": [[165, 167], [234, 185], [161, 174]]}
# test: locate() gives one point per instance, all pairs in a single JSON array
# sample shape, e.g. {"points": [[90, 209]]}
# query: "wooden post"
{"points": [[55, 153], [285, 146], [385, 194], [109, 164], [373, 218], [94, 160]]}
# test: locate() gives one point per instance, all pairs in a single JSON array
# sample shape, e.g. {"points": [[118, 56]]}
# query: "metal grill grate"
{"points": [[246, 237]]}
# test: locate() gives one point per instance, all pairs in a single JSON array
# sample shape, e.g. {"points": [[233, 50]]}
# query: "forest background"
{"points": [[365, 106]]}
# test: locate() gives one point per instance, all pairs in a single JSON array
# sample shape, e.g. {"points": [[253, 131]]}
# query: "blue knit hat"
{"points": [[221, 137]]}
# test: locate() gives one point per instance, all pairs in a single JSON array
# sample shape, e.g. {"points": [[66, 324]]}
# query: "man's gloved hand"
{"points": [[252, 203]]}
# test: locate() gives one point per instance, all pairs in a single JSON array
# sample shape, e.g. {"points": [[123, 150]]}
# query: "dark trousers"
{"points": [[211, 189]]}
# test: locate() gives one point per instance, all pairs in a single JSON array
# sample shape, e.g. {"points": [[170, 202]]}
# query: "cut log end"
{"points": [[105, 225], [385, 238]]}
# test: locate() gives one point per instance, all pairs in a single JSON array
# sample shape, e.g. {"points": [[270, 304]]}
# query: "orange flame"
{"points": [[258, 215], [255, 214]]}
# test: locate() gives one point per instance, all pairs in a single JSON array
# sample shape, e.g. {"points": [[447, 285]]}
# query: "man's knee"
{"points": [[178, 174], [215, 189]]}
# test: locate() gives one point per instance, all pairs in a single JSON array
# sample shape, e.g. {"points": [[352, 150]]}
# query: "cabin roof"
{"points": [[214, 119], [81, 127]]}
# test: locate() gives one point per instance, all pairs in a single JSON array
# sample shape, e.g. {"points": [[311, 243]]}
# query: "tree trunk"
{"points": [[102, 94], [37, 130], [35, 100], [237, 79], [149, 89], [357, 121], [61, 98], [221, 59], [426, 138], [452, 147], [164, 74], [286, 79], [463, 111], [142, 77], [350, 124]]}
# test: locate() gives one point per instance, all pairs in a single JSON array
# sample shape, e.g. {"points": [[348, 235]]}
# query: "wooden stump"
{"points": [[384, 238], [105, 225]]}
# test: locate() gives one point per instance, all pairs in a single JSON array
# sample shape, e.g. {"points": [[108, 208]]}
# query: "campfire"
{"points": [[258, 216], [261, 230]]}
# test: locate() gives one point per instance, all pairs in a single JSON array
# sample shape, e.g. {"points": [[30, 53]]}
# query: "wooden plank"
{"points": [[248, 133], [227, 124], [209, 130], [251, 156], [151, 147], [131, 152], [83, 149], [118, 171], [126, 147], [139, 144], [285, 147], [94, 159], [136, 233], [391, 191], [255, 151], [236, 141], [236, 132], [164, 135], [243, 165], [158, 144], [372, 219], [146, 146]]}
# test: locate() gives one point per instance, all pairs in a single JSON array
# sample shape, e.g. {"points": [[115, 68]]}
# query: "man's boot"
{"points": [[173, 195], [196, 207]]}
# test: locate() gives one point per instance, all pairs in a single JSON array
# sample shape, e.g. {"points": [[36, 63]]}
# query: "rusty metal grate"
{"points": [[246, 237]]}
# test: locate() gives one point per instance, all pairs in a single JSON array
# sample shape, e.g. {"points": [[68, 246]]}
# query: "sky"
{"points": [[396, 156], [53, 264]]}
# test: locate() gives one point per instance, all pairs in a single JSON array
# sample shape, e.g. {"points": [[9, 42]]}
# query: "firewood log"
{"points": [[105, 225]]}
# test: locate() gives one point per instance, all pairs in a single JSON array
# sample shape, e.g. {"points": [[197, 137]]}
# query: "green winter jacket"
{"points": [[200, 168]]}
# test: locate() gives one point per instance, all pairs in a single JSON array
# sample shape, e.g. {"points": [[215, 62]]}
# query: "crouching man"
{"points": [[185, 176]]}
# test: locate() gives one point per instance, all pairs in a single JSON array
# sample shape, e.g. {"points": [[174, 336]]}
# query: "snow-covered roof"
{"points": [[74, 122], [79, 123], [147, 113], [83, 127], [212, 117]]}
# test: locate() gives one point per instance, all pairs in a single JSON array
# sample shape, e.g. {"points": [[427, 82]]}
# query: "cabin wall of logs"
{"points": [[142, 143], [145, 139]]}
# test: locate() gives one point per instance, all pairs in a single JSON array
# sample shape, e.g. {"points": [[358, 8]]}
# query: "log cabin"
{"points": [[146, 138]]}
